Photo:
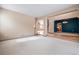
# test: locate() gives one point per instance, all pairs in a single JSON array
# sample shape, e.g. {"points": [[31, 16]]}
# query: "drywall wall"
{"points": [[72, 14], [14, 25], [66, 13]]}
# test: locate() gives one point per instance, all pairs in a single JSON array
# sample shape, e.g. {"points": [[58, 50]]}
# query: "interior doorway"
{"points": [[40, 27], [59, 27]]}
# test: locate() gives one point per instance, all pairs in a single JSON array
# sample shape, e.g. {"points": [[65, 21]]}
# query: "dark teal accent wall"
{"points": [[78, 25], [71, 27]]}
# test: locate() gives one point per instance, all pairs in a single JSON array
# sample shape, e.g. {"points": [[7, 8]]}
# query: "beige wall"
{"points": [[15, 25], [62, 16], [70, 14]]}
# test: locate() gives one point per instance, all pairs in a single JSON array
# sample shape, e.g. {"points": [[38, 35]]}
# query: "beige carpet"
{"points": [[38, 45]]}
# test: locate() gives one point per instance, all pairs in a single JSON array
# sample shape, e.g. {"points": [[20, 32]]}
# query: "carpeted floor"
{"points": [[39, 45]]}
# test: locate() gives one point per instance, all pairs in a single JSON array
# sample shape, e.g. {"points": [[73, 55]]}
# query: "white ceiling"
{"points": [[36, 10]]}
